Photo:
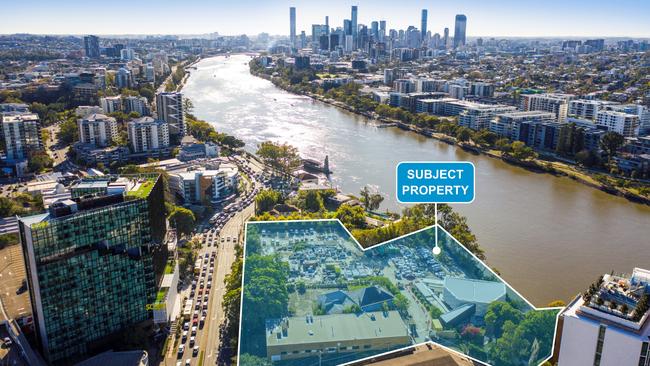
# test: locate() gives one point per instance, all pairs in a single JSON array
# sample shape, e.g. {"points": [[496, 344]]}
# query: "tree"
{"points": [[463, 134], [301, 287], [611, 142], [522, 152], [250, 360], [39, 161], [503, 145], [351, 215], [370, 200], [313, 201], [68, 131], [283, 157], [266, 199], [182, 219], [498, 314], [587, 158]]}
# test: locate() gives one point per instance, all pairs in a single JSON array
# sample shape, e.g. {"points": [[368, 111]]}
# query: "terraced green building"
{"points": [[92, 262]]}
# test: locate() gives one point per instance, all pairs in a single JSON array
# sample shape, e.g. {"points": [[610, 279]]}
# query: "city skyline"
{"points": [[556, 19]]}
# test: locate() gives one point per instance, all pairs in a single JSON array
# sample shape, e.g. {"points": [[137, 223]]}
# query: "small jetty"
{"points": [[314, 165]]}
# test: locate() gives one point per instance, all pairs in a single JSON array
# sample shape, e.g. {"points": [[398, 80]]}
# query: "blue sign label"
{"points": [[435, 182]]}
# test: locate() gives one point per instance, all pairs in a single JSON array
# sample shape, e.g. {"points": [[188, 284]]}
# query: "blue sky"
{"points": [[485, 17]]}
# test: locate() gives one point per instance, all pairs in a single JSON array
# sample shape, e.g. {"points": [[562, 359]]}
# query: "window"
{"points": [[599, 345], [644, 360]]}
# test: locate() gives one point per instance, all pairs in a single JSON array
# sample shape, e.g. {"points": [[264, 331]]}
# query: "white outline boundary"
{"points": [[435, 162], [241, 300]]}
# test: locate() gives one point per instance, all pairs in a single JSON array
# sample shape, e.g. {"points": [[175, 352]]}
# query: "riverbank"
{"points": [[546, 163]]}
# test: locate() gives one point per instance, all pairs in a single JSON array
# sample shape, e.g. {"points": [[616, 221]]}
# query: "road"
{"points": [[222, 242], [57, 151]]}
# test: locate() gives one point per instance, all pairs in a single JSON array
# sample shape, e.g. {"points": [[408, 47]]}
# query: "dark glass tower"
{"points": [[91, 263]]}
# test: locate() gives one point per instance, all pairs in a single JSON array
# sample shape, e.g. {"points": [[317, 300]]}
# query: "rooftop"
{"points": [[475, 291], [335, 328], [623, 297]]}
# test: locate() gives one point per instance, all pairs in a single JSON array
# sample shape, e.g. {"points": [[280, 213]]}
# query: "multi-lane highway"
{"points": [[217, 255]]}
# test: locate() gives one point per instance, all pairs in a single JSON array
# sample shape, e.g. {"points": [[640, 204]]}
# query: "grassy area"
{"points": [[143, 190], [160, 296], [169, 268]]}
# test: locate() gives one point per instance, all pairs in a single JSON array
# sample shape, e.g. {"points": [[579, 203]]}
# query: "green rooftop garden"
{"points": [[169, 268], [143, 190], [161, 295]]}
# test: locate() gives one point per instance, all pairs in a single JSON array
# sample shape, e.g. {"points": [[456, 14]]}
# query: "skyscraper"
{"points": [[170, 109], [459, 30], [292, 26], [92, 262], [423, 27], [382, 30], [374, 30], [327, 25], [354, 25], [445, 39], [91, 46]]}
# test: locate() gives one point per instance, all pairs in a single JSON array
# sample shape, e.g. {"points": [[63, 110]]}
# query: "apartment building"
{"points": [[21, 132], [620, 122], [557, 104], [97, 129], [608, 324], [169, 107], [146, 134]]}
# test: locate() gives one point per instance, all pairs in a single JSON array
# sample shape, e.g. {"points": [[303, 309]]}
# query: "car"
{"points": [[192, 340], [186, 326], [195, 351], [181, 350], [204, 314], [188, 362], [205, 298], [209, 284], [194, 330], [184, 338]]}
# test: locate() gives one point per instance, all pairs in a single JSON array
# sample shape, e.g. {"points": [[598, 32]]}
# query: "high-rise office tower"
{"points": [[91, 46], [347, 27], [445, 39], [169, 107], [292, 26], [327, 25], [459, 30], [382, 30], [354, 25], [374, 30], [423, 27], [92, 263]]}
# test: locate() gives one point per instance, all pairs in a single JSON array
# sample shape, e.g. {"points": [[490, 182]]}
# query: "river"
{"points": [[549, 237]]}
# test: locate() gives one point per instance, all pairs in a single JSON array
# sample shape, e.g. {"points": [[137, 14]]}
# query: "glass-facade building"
{"points": [[90, 265]]}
